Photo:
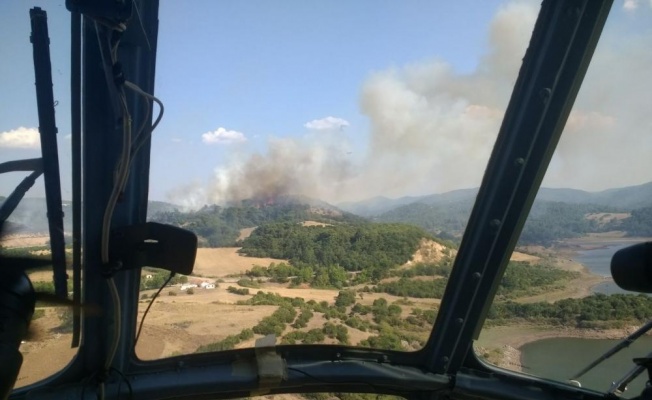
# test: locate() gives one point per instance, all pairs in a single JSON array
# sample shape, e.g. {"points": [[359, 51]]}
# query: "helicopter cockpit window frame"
{"points": [[116, 60]]}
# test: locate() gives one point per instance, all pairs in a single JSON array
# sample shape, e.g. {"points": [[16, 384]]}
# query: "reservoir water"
{"points": [[598, 261], [561, 358]]}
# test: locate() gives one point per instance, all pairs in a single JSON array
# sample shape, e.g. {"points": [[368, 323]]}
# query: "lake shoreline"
{"points": [[511, 339]]}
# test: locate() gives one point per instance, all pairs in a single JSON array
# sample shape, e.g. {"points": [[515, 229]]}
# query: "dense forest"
{"points": [[220, 226], [520, 279], [444, 220], [638, 224], [548, 220], [597, 310], [551, 220], [352, 247]]}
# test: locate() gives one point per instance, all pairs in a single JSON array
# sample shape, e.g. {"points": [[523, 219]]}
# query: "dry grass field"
{"points": [[45, 352], [179, 323], [24, 240], [221, 262]]}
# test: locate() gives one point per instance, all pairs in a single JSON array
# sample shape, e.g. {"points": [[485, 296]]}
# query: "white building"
{"points": [[187, 286]]}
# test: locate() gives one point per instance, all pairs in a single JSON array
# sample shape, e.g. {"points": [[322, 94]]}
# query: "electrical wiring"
{"points": [[140, 327], [120, 179], [140, 139], [143, 124], [130, 146], [117, 322]]}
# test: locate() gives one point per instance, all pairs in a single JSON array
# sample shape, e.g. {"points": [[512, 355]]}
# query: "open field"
{"points": [[180, 323], [223, 261], [45, 352], [180, 327], [20, 240]]}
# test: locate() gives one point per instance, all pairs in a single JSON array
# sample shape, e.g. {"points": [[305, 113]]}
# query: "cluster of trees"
{"points": [[249, 283], [423, 318], [336, 331], [358, 323], [433, 289], [272, 299], [392, 338], [277, 272], [548, 220], [324, 277], [227, 343], [591, 311], [302, 319], [380, 317], [276, 323], [552, 220], [305, 337], [351, 247], [521, 278], [442, 268], [158, 278], [235, 290], [444, 220], [345, 298], [220, 226], [638, 224]]}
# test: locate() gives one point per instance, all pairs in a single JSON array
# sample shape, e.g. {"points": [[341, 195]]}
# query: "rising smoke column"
{"points": [[433, 129]]}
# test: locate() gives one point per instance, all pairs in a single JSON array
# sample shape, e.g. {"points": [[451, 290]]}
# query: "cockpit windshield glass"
{"points": [[557, 300], [327, 155]]}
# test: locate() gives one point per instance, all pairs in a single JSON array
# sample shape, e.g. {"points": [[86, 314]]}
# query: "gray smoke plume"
{"points": [[433, 129]]}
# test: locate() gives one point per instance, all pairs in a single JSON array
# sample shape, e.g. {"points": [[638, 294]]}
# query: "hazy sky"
{"points": [[345, 100]]}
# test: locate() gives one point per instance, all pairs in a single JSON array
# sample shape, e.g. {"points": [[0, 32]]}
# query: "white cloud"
{"points": [[20, 138], [328, 123], [223, 136], [630, 5]]}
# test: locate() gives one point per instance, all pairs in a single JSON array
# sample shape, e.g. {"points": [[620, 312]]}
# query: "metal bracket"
{"points": [[153, 245]]}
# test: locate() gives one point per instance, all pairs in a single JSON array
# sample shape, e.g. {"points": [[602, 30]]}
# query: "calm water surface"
{"points": [[598, 261], [561, 358]]}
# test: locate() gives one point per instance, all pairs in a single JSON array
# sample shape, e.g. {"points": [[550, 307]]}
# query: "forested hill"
{"points": [[354, 247], [548, 220], [220, 226], [625, 198], [638, 224]]}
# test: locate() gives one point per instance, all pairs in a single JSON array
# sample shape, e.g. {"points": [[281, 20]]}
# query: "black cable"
{"points": [[140, 327], [126, 380]]}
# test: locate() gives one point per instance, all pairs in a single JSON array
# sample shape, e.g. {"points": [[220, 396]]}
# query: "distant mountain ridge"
{"points": [[625, 199]]}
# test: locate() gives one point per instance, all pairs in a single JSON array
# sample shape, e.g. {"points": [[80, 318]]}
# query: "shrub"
{"points": [[190, 291], [172, 293], [345, 298], [246, 282], [241, 292], [246, 334]]}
